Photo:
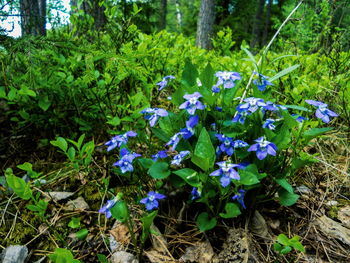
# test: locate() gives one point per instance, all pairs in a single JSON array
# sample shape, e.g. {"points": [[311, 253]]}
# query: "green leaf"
{"points": [[145, 162], [207, 79], [28, 167], [314, 132], [277, 247], [296, 107], [82, 234], [232, 210], [60, 143], [295, 243], [189, 176], [120, 211], [286, 198], [19, 186], [283, 239], [204, 153], [159, 170], [44, 102], [204, 223], [102, 258], [190, 74], [71, 154], [286, 250], [284, 183], [146, 224], [284, 72], [74, 222], [251, 58], [80, 141], [250, 175], [2, 93], [114, 121], [283, 138], [62, 255], [26, 91], [160, 134]]}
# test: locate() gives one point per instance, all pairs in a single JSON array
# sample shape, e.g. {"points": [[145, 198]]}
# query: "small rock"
{"points": [[258, 225], [14, 254], [123, 257], [201, 252], [77, 204], [302, 189], [344, 216], [57, 196], [333, 229], [115, 240], [332, 203]]}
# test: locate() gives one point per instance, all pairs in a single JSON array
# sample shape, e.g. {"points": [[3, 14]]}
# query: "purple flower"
{"points": [[240, 117], [271, 106], [269, 124], [226, 145], [119, 140], [125, 163], [215, 89], [219, 109], [322, 111], [239, 144], [251, 104], [174, 140], [263, 148], [227, 78], [151, 201], [179, 157], [192, 103], [107, 207], [195, 193], [160, 154], [153, 115], [162, 84], [240, 197], [299, 118], [262, 82], [190, 124], [226, 173]]}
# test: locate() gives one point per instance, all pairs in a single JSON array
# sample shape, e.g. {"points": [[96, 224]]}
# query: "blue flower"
{"points": [[226, 173], [226, 146], [262, 82], [160, 154], [174, 140], [240, 144], [119, 140], [153, 114], [107, 207], [271, 106], [190, 124], [192, 103], [151, 201], [251, 104], [195, 193], [263, 148], [299, 118], [162, 84], [219, 109], [322, 111], [240, 197], [269, 124], [179, 157], [125, 163], [215, 89], [241, 117], [227, 78]]}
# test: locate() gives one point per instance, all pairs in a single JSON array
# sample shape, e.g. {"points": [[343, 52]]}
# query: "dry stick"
{"points": [[267, 48]]}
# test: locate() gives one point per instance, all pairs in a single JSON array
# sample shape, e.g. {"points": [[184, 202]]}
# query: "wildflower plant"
{"points": [[220, 158]]}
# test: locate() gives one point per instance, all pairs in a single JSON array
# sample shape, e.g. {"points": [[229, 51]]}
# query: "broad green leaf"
{"points": [[295, 243], [114, 121], [207, 79], [283, 239], [286, 250], [204, 223], [120, 211], [314, 132], [284, 183], [159, 170], [2, 93], [102, 258], [60, 143], [284, 72], [204, 153], [282, 139], [26, 91], [25, 167], [44, 102], [71, 154], [19, 186], [189, 176], [296, 107], [286, 198], [160, 134], [250, 175], [146, 162], [189, 74], [146, 224], [232, 210], [62, 255], [74, 222], [82, 234]]}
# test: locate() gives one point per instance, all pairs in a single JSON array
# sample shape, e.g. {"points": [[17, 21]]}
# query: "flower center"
{"points": [[151, 198], [263, 144], [193, 100], [227, 142]]}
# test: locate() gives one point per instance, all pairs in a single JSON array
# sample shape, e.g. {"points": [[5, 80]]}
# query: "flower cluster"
{"points": [[228, 144], [119, 140]]}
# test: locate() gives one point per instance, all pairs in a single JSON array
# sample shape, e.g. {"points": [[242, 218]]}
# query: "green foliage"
{"points": [[62, 255], [18, 185], [284, 245]]}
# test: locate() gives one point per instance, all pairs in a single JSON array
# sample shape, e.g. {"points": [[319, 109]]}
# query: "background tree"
{"points": [[33, 17], [205, 24], [162, 14]]}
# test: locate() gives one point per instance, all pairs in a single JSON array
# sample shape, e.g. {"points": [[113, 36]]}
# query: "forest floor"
{"points": [[321, 217]]}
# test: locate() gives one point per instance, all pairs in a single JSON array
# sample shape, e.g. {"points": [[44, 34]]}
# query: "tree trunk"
{"points": [[256, 32], [163, 13], [205, 24], [33, 17], [92, 8], [178, 14], [267, 22]]}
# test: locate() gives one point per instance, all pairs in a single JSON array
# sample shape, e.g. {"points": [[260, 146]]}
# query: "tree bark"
{"points": [[33, 17], [163, 13], [256, 32], [205, 24]]}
